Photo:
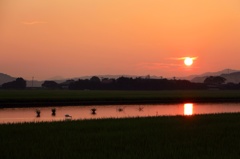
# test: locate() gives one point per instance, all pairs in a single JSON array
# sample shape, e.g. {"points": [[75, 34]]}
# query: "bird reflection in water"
{"points": [[140, 108]]}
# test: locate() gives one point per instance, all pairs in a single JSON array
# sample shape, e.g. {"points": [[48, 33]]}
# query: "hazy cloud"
{"points": [[33, 22], [182, 58], [155, 65]]}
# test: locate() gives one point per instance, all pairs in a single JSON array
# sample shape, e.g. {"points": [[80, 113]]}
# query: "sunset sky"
{"points": [[72, 38]]}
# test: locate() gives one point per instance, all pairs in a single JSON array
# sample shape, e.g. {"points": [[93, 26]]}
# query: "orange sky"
{"points": [[72, 38]]}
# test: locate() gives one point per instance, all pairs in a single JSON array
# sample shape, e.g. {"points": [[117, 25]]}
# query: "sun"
{"points": [[188, 61]]}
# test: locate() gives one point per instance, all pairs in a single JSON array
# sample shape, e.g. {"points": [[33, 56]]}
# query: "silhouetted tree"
{"points": [[50, 85], [80, 84], [66, 84], [215, 80], [95, 83], [95, 79], [19, 83]]}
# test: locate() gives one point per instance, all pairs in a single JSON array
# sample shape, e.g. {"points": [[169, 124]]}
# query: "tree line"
{"points": [[19, 83], [128, 83]]}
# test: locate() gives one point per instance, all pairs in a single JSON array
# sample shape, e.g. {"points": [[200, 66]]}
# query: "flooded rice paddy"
{"points": [[17, 115]]}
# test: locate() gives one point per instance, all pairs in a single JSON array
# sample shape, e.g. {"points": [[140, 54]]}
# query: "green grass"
{"points": [[202, 136], [17, 98]]}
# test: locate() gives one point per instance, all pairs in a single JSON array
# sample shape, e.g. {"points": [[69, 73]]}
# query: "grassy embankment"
{"points": [[201, 136], [16, 98]]}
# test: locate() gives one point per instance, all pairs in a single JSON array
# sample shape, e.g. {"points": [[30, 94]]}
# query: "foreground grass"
{"points": [[204, 136], [17, 98]]}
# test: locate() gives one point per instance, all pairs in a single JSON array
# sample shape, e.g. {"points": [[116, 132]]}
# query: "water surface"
{"points": [[16, 115]]}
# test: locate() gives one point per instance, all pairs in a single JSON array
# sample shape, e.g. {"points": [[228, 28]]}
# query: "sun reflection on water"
{"points": [[188, 109]]}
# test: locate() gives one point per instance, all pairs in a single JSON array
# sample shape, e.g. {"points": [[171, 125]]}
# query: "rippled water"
{"points": [[15, 115]]}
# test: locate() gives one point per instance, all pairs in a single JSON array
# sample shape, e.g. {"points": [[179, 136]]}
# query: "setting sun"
{"points": [[188, 61], [148, 37]]}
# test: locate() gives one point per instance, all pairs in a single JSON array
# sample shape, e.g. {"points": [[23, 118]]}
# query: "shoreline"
{"points": [[29, 104], [49, 98]]}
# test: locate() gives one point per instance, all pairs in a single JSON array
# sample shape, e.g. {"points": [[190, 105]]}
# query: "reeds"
{"points": [[199, 136]]}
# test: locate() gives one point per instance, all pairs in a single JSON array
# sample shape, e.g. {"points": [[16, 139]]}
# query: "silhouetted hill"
{"points": [[5, 78], [233, 76], [56, 78], [202, 77]]}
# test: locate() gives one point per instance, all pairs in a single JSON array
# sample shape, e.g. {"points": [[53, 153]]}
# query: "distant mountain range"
{"points": [[5, 78], [230, 75]]}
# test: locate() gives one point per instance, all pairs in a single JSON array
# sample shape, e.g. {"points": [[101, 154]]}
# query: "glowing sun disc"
{"points": [[188, 61]]}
